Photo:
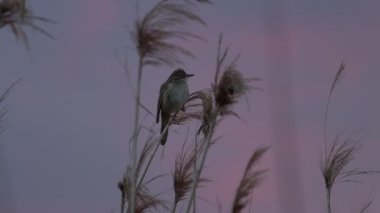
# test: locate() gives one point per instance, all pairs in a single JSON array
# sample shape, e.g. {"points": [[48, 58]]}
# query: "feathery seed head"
{"points": [[231, 86]]}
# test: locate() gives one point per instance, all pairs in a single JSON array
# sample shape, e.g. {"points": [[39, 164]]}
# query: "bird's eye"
{"points": [[230, 90]]}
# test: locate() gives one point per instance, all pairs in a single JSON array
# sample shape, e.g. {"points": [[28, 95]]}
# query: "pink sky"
{"points": [[65, 147]]}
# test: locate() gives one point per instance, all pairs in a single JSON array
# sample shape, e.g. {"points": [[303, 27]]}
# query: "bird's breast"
{"points": [[175, 97]]}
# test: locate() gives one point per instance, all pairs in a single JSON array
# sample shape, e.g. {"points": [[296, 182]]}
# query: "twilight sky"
{"points": [[65, 146]]}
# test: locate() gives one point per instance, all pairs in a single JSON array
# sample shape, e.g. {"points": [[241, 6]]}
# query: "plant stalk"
{"points": [[194, 169], [199, 170], [153, 154], [328, 196], [132, 201], [174, 206], [148, 164], [122, 204]]}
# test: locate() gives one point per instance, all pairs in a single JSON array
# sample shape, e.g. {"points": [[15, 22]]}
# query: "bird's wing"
{"points": [[158, 109], [159, 102]]}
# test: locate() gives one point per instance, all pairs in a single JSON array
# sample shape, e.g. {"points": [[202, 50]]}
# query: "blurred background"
{"points": [[66, 141]]}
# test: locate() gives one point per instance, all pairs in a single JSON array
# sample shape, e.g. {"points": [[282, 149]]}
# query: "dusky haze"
{"points": [[66, 143]]}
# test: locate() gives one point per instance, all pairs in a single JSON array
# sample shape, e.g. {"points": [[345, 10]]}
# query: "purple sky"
{"points": [[65, 146]]}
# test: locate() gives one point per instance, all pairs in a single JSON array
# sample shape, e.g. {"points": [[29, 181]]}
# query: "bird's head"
{"points": [[180, 74]]}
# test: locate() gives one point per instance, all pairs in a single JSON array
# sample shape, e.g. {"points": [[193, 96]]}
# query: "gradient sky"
{"points": [[65, 146]]}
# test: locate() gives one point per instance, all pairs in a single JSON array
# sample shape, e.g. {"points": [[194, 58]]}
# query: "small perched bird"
{"points": [[173, 96]]}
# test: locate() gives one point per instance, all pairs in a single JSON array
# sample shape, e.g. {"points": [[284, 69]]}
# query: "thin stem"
{"points": [[328, 195], [218, 59], [199, 170], [135, 136], [122, 203], [174, 206], [250, 201], [153, 154], [338, 76], [147, 166], [325, 124], [195, 169]]}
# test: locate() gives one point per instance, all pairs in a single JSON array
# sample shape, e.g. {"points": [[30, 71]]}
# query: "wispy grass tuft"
{"points": [[4, 109], [229, 83], [250, 180], [182, 176], [335, 168], [16, 14], [144, 200], [154, 34], [337, 159]]}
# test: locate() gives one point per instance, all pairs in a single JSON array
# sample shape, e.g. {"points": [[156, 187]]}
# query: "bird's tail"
{"points": [[164, 121]]}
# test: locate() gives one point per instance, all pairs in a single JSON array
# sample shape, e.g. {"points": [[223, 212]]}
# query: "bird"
{"points": [[174, 94]]}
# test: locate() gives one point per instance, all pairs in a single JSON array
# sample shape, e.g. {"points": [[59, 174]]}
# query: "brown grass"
{"points": [[335, 168], [250, 180], [337, 159], [16, 14], [154, 34], [182, 176]]}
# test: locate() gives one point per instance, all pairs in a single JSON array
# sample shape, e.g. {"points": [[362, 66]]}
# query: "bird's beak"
{"points": [[189, 75]]}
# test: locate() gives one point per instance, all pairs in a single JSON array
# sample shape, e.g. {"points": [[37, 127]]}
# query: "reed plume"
{"points": [[182, 176], [337, 158], [250, 180], [154, 34], [16, 14]]}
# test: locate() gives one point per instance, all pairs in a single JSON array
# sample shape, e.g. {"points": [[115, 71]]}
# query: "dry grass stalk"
{"points": [[149, 148], [366, 205], [338, 77], [153, 37], [342, 152], [199, 1], [16, 14], [152, 144], [4, 109], [250, 180], [206, 143], [225, 90], [124, 187]]}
